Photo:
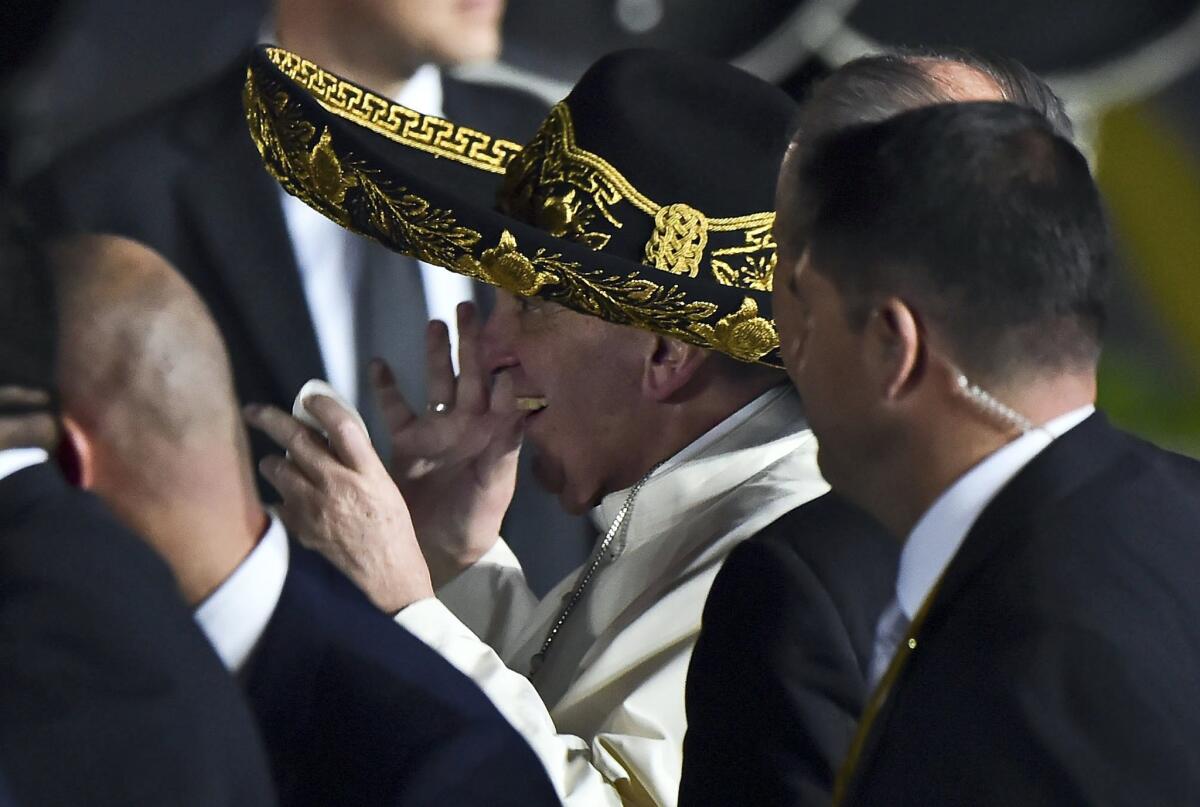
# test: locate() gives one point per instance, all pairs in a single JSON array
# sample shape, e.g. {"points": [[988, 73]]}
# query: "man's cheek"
{"points": [[796, 344]]}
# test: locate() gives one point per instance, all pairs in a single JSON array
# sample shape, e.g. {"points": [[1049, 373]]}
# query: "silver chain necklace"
{"points": [[616, 534]]}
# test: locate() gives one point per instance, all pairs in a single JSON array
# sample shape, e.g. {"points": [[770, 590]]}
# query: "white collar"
{"points": [[938, 534], [236, 614], [716, 433], [18, 459], [739, 446], [423, 91]]}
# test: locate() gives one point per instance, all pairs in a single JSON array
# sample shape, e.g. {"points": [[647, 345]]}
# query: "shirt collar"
{"points": [[236, 614], [742, 444], [937, 536], [423, 91], [18, 459], [725, 427]]}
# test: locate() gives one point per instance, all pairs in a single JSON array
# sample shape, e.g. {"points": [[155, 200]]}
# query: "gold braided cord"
{"points": [[677, 243], [398, 123]]}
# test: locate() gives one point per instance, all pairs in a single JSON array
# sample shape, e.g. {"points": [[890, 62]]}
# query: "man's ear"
{"points": [[670, 365], [76, 457], [895, 343]]}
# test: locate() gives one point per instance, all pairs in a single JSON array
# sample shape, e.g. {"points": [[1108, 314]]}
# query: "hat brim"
{"points": [[426, 188]]}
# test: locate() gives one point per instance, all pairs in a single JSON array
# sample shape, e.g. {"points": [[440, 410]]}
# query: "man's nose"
{"points": [[497, 337]]}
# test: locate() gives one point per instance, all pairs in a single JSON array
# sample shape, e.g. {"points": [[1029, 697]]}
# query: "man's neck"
{"points": [[679, 435], [203, 529], [945, 457], [958, 439]]}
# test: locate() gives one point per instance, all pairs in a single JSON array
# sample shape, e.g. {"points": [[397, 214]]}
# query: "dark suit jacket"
{"points": [[6, 799], [356, 710], [778, 677], [1059, 662], [109, 693], [185, 179]]}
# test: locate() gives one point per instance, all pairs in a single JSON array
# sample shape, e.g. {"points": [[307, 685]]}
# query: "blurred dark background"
{"points": [[1128, 70]]}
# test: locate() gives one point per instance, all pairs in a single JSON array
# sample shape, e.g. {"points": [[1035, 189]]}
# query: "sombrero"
{"points": [[646, 196]]}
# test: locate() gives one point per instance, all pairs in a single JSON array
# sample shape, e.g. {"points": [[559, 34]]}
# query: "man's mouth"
{"points": [[531, 403]]}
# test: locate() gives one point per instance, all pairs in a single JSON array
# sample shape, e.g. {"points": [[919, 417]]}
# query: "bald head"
{"points": [[142, 368], [874, 88], [959, 81], [140, 358], [149, 408]]}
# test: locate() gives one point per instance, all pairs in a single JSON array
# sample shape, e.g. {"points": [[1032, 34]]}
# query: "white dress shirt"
{"points": [[605, 713], [939, 533], [327, 256], [18, 459], [235, 615]]}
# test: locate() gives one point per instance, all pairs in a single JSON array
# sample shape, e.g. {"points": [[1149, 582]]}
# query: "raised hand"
{"points": [[339, 499], [456, 462]]}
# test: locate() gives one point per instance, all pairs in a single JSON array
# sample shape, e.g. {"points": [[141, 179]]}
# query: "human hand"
{"points": [[456, 463], [339, 500]]}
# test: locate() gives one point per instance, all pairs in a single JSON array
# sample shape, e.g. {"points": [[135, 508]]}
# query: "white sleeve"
{"points": [[492, 598], [584, 774]]}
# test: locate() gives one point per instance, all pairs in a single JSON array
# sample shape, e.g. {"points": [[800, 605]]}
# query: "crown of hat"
{"points": [[662, 158]]}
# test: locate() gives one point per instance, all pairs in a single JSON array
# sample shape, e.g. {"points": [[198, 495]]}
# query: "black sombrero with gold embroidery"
{"points": [[645, 197]]}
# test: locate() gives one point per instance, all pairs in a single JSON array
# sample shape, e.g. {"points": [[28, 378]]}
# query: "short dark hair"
{"points": [[982, 217], [28, 331]]}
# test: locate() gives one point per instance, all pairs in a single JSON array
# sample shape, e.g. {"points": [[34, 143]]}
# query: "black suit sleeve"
{"points": [[482, 766], [774, 688], [355, 710], [109, 692]]}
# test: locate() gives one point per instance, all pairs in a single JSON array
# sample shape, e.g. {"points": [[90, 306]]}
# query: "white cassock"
{"points": [[605, 710]]}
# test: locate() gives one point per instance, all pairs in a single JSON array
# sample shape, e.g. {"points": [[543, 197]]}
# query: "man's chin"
{"points": [[552, 479], [547, 473]]}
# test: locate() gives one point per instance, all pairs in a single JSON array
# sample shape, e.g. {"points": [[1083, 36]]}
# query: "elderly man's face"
{"points": [[447, 32], [589, 372]]}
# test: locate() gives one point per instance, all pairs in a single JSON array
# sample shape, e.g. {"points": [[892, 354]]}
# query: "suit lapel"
{"points": [[1066, 465], [281, 678], [235, 209]]}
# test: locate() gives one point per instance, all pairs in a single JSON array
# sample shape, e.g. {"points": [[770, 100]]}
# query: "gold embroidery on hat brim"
{"points": [[556, 185], [308, 164], [433, 135]]}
